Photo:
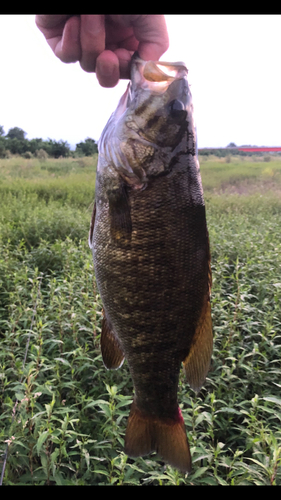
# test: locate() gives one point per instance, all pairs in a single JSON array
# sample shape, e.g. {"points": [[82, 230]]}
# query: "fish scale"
{"points": [[151, 256]]}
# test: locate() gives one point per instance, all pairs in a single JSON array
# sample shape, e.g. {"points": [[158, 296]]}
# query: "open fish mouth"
{"points": [[151, 114], [152, 76], [155, 75]]}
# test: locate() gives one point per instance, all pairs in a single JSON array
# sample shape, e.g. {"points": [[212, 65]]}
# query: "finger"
{"points": [[152, 34], [62, 34], [92, 38], [124, 57], [68, 48], [51, 24], [107, 69]]}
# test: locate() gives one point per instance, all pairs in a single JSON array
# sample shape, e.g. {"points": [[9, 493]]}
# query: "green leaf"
{"points": [[41, 440], [126, 402], [199, 472], [258, 463], [209, 480], [227, 409], [59, 478], [199, 419], [63, 361], [273, 399], [20, 396], [98, 402]]}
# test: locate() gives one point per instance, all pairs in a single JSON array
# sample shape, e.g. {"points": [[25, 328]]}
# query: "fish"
{"points": [[151, 254]]}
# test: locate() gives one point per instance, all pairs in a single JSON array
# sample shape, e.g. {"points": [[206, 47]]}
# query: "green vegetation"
{"points": [[63, 415], [15, 143]]}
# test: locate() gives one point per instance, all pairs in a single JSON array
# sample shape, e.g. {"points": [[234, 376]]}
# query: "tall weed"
{"points": [[68, 425]]}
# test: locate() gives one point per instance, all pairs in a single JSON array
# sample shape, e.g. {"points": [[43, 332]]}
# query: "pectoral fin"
{"points": [[197, 362], [119, 213], [112, 353]]}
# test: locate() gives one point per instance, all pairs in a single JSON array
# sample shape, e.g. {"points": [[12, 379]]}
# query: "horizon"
{"points": [[72, 147]]}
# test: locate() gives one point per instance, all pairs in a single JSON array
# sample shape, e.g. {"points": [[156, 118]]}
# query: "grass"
{"points": [[243, 175], [63, 415]]}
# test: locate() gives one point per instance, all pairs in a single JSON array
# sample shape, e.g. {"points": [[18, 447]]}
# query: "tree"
{"points": [[16, 133], [16, 146], [231, 145], [35, 145], [57, 149], [87, 148], [2, 131], [2, 147]]}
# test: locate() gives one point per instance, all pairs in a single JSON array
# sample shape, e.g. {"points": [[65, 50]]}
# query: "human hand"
{"points": [[105, 43]]}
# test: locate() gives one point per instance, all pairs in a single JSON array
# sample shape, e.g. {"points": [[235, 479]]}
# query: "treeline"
{"points": [[231, 149], [15, 142], [222, 152]]}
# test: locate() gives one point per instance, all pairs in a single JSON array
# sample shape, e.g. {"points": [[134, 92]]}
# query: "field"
{"points": [[63, 415]]}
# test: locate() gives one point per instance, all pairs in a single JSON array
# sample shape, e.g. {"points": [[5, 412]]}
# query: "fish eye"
{"points": [[176, 110], [175, 105]]}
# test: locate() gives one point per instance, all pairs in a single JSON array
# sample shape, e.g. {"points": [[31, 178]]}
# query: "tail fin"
{"points": [[167, 437]]}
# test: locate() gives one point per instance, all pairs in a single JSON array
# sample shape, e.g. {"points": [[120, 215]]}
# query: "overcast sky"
{"points": [[234, 72]]}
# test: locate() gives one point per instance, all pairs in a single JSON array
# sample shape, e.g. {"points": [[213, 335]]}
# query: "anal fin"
{"points": [[112, 353], [197, 362]]}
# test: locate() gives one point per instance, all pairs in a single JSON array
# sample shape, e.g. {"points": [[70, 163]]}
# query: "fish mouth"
{"points": [[167, 84], [153, 76], [148, 73]]}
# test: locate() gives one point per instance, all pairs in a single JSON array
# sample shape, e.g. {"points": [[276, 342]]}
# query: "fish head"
{"points": [[158, 100], [151, 121]]}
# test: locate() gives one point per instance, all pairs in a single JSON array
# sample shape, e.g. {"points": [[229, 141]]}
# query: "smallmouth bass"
{"points": [[151, 255]]}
